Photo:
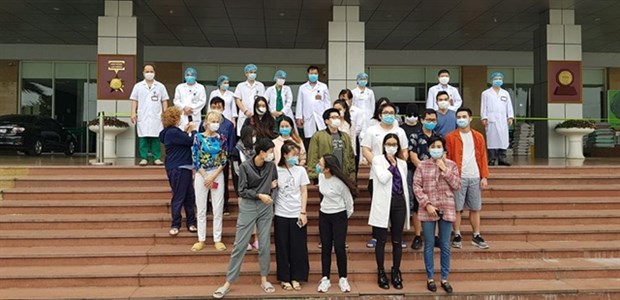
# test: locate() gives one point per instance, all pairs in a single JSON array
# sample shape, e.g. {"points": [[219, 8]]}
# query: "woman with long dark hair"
{"points": [[288, 132], [262, 119], [336, 208]]}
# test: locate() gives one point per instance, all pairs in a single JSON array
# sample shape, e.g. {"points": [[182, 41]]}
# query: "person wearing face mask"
{"points": [[389, 208], [226, 129], [446, 118], [210, 158], [418, 152], [363, 97], [149, 99], [467, 148], [262, 119], [453, 93], [331, 141], [289, 223], [348, 125], [222, 91], [246, 93], [287, 132], [358, 122], [372, 143], [280, 97], [497, 114], [190, 97], [258, 181], [312, 100], [434, 184]]}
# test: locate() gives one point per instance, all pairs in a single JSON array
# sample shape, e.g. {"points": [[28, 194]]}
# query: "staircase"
{"points": [[102, 232]]}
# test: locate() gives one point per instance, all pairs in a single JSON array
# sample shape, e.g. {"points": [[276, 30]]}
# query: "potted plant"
{"points": [[573, 131], [112, 126]]}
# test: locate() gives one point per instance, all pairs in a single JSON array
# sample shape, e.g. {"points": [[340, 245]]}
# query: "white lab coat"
{"points": [[247, 93], [149, 107], [365, 100], [230, 107], [311, 103], [194, 96], [496, 108], [382, 191], [287, 100], [431, 101]]}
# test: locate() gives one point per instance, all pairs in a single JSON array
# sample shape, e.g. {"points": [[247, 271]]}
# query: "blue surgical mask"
{"points": [[462, 123], [317, 168], [362, 83], [190, 79], [313, 77], [225, 86], [285, 131], [293, 160], [436, 153], [429, 125], [498, 82], [252, 76], [389, 119]]}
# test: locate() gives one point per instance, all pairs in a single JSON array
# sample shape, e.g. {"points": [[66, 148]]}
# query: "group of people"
{"points": [[431, 165]]}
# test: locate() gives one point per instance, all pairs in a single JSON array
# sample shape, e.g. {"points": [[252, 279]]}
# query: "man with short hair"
{"points": [[496, 114], [443, 76], [331, 141], [312, 100], [466, 147], [245, 94], [190, 97], [446, 118]]}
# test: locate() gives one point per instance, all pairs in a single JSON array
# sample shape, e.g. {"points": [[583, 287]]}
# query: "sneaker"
{"points": [[173, 231], [192, 228], [320, 245], [403, 244], [457, 241], [344, 285], [479, 242], [417, 243], [158, 162], [143, 162], [324, 285], [255, 245]]}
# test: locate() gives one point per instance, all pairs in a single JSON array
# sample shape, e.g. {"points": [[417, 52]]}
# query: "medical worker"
{"points": [[245, 93], [190, 97], [280, 97], [496, 115], [222, 91], [363, 97], [312, 100], [455, 98]]}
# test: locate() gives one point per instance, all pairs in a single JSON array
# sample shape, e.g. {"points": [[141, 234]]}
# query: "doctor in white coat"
{"points": [[230, 107], [312, 100], [496, 114], [389, 207], [443, 76], [190, 97], [364, 97], [245, 94], [280, 97]]}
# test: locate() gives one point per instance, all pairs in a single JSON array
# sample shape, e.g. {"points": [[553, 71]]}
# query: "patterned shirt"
{"points": [[208, 153], [418, 143], [431, 186]]}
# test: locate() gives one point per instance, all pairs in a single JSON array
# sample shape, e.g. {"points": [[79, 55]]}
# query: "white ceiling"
{"points": [[390, 24]]}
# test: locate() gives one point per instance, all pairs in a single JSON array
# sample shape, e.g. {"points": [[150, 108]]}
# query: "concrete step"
{"points": [[364, 271], [357, 250], [553, 179], [556, 170]]}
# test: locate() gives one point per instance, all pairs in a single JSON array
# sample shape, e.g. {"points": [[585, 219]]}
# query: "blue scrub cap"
{"points": [[279, 74], [361, 75], [497, 74], [250, 68], [221, 79], [190, 71]]}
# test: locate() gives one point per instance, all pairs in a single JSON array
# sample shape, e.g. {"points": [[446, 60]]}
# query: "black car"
{"points": [[35, 134]]}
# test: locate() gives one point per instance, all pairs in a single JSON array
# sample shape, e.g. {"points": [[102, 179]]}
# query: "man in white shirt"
{"points": [[312, 100], [149, 99], [245, 93], [496, 114], [190, 97], [363, 97], [455, 98]]}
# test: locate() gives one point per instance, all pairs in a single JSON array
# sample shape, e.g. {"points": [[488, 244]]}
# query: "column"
{"points": [[557, 39], [118, 34], [345, 49]]}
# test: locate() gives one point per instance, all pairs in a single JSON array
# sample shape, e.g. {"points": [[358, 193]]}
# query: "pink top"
{"points": [[431, 186]]}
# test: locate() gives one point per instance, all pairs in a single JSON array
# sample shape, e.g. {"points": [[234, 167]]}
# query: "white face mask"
{"points": [[444, 80], [411, 119], [261, 110], [270, 157], [336, 123], [149, 76], [280, 81], [391, 150], [443, 104], [214, 126], [254, 140]]}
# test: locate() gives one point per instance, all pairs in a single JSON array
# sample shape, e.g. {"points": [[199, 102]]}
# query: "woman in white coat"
{"points": [[389, 207], [280, 97]]}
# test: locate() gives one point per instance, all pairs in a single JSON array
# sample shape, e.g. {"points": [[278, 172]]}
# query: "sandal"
{"points": [[198, 246], [219, 246], [173, 231], [267, 287], [220, 292], [296, 285], [371, 243], [287, 286]]}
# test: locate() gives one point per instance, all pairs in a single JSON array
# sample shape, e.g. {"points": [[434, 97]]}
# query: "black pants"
{"points": [[291, 249], [307, 145], [333, 231], [497, 154], [357, 156], [397, 220]]}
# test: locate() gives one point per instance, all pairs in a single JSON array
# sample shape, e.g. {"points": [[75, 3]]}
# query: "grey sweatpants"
{"points": [[251, 213]]}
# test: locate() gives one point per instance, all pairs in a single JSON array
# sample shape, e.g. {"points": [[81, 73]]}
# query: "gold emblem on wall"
{"points": [[116, 84], [116, 75]]}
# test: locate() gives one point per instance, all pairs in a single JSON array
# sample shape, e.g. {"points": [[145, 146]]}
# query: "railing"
{"points": [[100, 161]]}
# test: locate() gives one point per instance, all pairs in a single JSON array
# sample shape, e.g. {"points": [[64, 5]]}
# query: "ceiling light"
{"points": [[597, 19], [56, 8], [282, 14], [171, 11]]}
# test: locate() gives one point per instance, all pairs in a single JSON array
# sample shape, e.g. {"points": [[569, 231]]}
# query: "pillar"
{"points": [[118, 34], [345, 49], [557, 39]]}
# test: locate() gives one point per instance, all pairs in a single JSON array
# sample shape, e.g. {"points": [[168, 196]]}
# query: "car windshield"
{"points": [[17, 119]]}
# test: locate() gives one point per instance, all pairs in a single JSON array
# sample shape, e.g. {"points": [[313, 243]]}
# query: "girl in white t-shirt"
{"points": [[291, 235]]}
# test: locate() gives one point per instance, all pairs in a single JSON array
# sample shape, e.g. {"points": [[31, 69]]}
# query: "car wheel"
{"points": [[70, 148], [36, 149]]}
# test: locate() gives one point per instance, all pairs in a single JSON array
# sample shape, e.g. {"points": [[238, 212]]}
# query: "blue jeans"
{"points": [[445, 229]]}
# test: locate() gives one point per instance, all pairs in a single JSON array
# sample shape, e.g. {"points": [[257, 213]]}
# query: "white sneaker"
{"points": [[158, 162], [143, 162], [324, 285], [344, 285]]}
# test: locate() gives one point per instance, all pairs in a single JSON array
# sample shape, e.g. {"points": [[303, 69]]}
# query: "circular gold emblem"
{"points": [[565, 77]]}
